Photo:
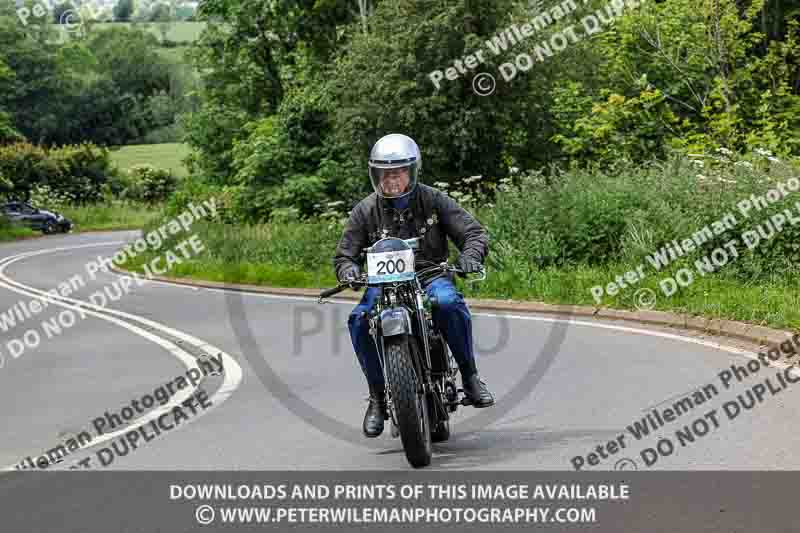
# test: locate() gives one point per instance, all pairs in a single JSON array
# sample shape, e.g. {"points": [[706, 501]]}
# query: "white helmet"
{"points": [[393, 152]]}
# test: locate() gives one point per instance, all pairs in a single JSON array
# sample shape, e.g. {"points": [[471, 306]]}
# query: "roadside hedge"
{"points": [[77, 171]]}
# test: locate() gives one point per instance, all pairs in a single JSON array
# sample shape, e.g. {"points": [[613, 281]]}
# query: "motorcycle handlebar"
{"points": [[444, 267], [327, 293]]}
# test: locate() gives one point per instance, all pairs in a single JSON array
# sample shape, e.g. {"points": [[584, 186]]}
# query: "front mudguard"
{"points": [[395, 321]]}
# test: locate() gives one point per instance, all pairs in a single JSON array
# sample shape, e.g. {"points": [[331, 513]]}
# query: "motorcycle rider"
{"points": [[400, 207]]}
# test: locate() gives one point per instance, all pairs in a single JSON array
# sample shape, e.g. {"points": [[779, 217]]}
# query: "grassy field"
{"points": [[168, 155], [176, 54], [182, 32]]}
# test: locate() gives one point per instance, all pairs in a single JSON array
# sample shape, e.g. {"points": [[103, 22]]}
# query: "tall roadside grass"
{"points": [[12, 232], [111, 215], [286, 255], [553, 239]]}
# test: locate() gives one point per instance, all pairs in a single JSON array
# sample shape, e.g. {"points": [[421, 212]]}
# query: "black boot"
{"points": [[377, 411], [476, 391]]}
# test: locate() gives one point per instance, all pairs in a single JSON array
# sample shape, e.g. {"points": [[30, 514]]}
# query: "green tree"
{"points": [[381, 84], [247, 54], [123, 11], [130, 57]]}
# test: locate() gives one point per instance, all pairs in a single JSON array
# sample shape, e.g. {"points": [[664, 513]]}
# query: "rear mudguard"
{"points": [[395, 321]]}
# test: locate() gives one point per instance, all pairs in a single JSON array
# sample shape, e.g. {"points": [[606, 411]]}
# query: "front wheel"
{"points": [[410, 406]]}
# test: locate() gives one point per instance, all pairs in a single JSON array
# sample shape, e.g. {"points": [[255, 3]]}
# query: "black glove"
{"points": [[351, 274], [468, 265]]}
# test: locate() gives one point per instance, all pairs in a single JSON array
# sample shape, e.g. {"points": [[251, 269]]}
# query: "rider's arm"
{"points": [[353, 241], [469, 236]]}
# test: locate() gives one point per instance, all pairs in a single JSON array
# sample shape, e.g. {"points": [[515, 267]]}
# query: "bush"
{"points": [[150, 184], [635, 129], [78, 171], [591, 217], [85, 169], [197, 191], [7, 132], [45, 197], [5, 186]]}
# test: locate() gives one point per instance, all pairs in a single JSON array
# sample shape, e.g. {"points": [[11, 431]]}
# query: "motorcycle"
{"points": [[419, 370]]}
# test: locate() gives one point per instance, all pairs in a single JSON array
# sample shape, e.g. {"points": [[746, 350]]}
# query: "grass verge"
{"points": [[299, 255], [10, 232], [111, 216]]}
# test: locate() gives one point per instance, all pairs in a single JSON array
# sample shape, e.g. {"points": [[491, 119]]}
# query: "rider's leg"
{"points": [[454, 320], [367, 354], [363, 344]]}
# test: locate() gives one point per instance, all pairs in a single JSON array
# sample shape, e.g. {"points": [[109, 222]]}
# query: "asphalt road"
{"points": [[292, 396]]}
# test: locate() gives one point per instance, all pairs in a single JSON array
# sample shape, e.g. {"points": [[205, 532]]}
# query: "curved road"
{"points": [[292, 396]]}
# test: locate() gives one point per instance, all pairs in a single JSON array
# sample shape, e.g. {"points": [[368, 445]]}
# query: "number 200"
{"points": [[391, 266]]}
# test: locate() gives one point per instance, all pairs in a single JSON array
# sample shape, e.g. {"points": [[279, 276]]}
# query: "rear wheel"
{"points": [[49, 228], [410, 405], [440, 424], [441, 432]]}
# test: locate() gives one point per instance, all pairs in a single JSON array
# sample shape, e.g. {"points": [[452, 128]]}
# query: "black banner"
{"points": [[88, 502]]}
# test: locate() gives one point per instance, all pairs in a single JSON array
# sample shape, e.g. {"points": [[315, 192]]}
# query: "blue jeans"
{"points": [[451, 316]]}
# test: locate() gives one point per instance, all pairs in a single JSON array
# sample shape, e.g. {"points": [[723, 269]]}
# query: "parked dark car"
{"points": [[37, 219]]}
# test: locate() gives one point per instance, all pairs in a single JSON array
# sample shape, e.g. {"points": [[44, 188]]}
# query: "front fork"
{"points": [[376, 332]]}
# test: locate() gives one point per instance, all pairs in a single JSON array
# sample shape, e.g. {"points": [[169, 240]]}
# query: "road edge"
{"points": [[741, 331]]}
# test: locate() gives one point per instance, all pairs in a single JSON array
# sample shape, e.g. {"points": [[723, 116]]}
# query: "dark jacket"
{"points": [[431, 214]]}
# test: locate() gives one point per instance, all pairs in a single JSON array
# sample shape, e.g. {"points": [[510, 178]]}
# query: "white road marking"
{"points": [[570, 321], [230, 387], [534, 318], [232, 374]]}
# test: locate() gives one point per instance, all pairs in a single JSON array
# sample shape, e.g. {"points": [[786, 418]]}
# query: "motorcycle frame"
{"points": [[403, 298]]}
